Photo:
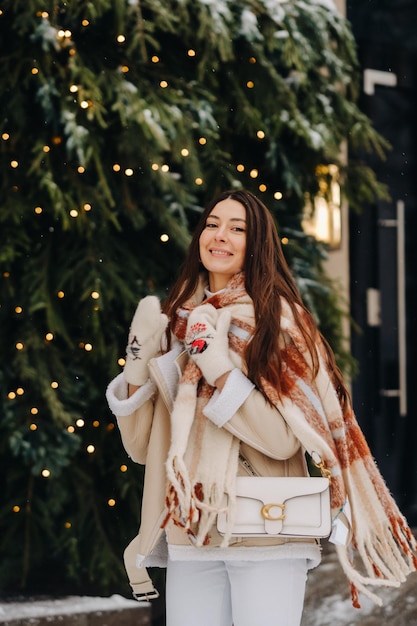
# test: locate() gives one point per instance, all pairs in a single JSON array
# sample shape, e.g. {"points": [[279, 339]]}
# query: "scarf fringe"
{"points": [[387, 557]]}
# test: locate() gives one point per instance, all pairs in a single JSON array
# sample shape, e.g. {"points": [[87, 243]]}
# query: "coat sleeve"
{"points": [[244, 411], [134, 415]]}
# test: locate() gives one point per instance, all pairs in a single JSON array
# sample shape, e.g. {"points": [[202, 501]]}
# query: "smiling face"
{"points": [[223, 242]]}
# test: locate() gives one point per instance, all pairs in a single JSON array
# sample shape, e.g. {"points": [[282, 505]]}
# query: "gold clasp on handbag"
{"points": [[320, 464], [267, 515]]}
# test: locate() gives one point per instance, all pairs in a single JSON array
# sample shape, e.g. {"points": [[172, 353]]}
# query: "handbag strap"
{"points": [[320, 464]]}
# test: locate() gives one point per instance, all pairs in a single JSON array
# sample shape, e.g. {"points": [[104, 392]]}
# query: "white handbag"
{"points": [[280, 506]]}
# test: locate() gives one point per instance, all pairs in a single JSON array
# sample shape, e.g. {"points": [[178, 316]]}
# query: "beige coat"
{"points": [[267, 444]]}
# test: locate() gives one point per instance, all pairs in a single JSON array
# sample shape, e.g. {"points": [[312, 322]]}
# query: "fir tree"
{"points": [[119, 120]]}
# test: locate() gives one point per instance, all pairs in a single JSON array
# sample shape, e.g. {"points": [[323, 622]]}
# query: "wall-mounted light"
{"points": [[322, 214]]}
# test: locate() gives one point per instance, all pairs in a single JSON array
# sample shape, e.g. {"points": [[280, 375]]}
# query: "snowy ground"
{"points": [[47, 608]]}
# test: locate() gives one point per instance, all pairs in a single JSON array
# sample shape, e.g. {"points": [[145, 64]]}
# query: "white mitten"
{"points": [[207, 342], [146, 330]]}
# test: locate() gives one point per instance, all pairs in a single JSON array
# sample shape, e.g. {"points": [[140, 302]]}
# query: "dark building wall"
{"points": [[386, 33]]}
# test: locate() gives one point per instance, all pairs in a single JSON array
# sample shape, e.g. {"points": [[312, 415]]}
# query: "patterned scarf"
{"points": [[203, 459]]}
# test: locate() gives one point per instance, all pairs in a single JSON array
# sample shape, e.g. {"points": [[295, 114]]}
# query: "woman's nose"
{"points": [[220, 234]]}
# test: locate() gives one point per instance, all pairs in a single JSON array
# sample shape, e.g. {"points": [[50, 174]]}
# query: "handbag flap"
{"points": [[272, 489]]}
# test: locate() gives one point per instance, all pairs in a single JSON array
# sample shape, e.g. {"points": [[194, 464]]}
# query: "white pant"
{"points": [[235, 593]]}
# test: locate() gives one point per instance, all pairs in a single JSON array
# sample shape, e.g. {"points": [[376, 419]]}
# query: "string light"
{"points": [[202, 141], [240, 167], [14, 164], [111, 502], [191, 52], [61, 294], [155, 59], [95, 295], [163, 84], [90, 449], [87, 207], [18, 309], [49, 336], [19, 345], [67, 525], [155, 167], [54, 384], [33, 427], [250, 84], [262, 188], [123, 468], [278, 195], [46, 473], [120, 38], [164, 237], [5, 136], [116, 167], [38, 210], [129, 171], [20, 391], [121, 361], [198, 181], [16, 508], [284, 241], [165, 168], [34, 410], [260, 134], [184, 152], [71, 429], [254, 173], [80, 422]]}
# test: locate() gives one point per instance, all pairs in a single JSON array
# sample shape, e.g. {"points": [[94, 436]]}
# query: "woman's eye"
{"points": [[211, 225]]}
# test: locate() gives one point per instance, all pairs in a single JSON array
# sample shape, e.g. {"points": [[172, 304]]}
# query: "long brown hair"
{"points": [[267, 279]]}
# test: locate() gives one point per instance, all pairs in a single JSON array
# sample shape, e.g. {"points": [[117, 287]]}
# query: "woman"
{"points": [[233, 377]]}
